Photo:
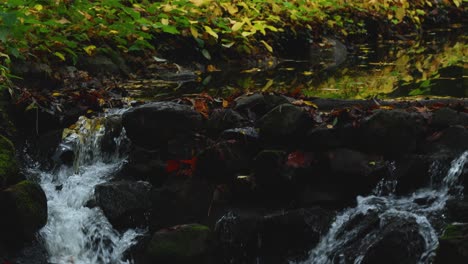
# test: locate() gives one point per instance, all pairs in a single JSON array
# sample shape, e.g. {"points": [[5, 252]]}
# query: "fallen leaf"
{"points": [[201, 107]]}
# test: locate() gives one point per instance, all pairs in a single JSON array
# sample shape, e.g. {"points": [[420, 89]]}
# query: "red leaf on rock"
{"points": [[172, 165], [298, 159]]}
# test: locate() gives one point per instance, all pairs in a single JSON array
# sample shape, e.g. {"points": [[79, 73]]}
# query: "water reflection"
{"points": [[431, 66]]}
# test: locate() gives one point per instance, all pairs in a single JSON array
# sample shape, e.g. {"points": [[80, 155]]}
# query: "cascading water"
{"points": [[75, 233], [424, 207]]}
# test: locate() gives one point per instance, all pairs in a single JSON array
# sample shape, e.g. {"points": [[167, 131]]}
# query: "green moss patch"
{"points": [[179, 244], [9, 173]]}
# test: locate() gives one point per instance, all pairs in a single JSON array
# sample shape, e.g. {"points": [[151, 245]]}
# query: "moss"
{"points": [[454, 231], [29, 205], [9, 172], [179, 245]]}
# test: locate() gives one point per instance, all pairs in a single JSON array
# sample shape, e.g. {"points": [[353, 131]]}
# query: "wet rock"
{"points": [[284, 123], [330, 52], [392, 132], [268, 169], [446, 117], [412, 172], [237, 236], [453, 245], [222, 119], [180, 201], [111, 140], [24, 212], [400, 242], [144, 165], [125, 204], [248, 135], [457, 210], [397, 239], [99, 64], [153, 124], [189, 243], [354, 172], [454, 138], [223, 160], [256, 105], [245, 236], [293, 233], [323, 139], [9, 172]]}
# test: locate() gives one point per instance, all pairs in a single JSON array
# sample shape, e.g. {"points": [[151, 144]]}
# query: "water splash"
{"points": [[331, 246], [75, 233]]}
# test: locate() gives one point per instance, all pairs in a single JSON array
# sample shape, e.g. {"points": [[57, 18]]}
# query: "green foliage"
{"points": [[61, 30]]}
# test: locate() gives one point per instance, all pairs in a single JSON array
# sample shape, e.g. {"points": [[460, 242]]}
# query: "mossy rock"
{"points": [[9, 172], [24, 211], [453, 245], [180, 244]]}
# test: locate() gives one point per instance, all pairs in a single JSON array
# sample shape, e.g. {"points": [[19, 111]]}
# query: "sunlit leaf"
{"points": [[210, 31]]}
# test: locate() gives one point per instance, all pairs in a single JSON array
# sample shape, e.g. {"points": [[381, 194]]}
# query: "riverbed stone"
{"points": [[453, 138], [293, 233], [152, 125], [9, 172], [125, 203], [24, 211], [392, 132], [400, 242], [446, 117], [284, 123], [183, 244], [453, 245], [256, 105], [222, 119]]}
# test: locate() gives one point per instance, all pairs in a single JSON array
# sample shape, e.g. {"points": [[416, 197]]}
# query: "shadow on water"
{"points": [[430, 66]]}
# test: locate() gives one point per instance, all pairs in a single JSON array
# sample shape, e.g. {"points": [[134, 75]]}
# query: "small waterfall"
{"points": [[389, 207], [75, 233]]}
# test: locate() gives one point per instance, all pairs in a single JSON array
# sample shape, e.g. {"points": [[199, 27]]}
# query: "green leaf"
{"points": [[267, 46], [206, 54], [211, 32], [60, 55]]}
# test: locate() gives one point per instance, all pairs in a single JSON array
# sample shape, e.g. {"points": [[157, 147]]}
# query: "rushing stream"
{"points": [[75, 233], [425, 206]]}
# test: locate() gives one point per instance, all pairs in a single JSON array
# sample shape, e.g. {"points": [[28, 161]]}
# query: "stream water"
{"points": [[389, 207], [75, 233]]}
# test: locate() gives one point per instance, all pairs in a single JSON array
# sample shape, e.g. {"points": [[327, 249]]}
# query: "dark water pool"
{"points": [[432, 65]]}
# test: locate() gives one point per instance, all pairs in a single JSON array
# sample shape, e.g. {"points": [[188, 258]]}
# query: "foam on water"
{"points": [[388, 207], [75, 233]]}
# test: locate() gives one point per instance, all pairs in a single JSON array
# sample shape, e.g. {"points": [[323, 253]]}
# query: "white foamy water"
{"points": [[330, 248], [75, 233]]}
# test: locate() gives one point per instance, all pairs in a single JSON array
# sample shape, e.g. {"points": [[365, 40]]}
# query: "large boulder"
{"points": [[453, 245], [284, 123], [222, 119], [271, 237], [24, 211], [387, 238], [152, 125], [392, 132], [446, 117], [288, 234], [353, 172], [124, 203], [256, 105], [181, 244], [9, 172]]}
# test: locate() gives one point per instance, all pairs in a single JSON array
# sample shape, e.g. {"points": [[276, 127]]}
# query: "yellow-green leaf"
{"points": [[267, 46], [211, 32], [194, 32], [237, 26], [90, 49], [60, 55]]}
